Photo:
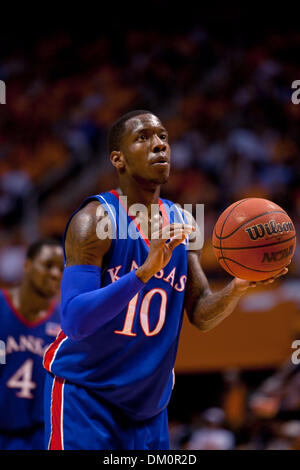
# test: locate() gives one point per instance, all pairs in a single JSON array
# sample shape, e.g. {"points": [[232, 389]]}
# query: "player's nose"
{"points": [[55, 273], [158, 145]]}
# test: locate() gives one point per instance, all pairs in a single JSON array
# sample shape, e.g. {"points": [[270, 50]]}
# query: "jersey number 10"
{"points": [[144, 314]]}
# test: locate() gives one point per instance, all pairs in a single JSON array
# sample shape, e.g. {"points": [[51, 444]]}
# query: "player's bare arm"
{"points": [[205, 309], [83, 246]]}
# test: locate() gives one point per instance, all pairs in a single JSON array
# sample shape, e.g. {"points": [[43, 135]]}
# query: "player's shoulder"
{"points": [[184, 216], [92, 210], [179, 212], [166, 201], [83, 241], [4, 297], [86, 214], [86, 220], [5, 303], [169, 205]]}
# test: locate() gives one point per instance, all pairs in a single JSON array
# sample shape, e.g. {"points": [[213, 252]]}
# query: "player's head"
{"points": [[44, 266], [139, 148]]}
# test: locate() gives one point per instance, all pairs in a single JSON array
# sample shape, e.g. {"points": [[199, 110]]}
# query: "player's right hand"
{"points": [[161, 247]]}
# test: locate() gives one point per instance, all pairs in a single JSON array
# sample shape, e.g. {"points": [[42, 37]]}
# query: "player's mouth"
{"points": [[160, 160]]}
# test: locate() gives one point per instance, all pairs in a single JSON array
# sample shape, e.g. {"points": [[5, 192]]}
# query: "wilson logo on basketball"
{"points": [[270, 228], [277, 255]]}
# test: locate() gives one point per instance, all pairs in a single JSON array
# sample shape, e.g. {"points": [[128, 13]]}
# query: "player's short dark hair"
{"points": [[34, 249], [117, 129]]}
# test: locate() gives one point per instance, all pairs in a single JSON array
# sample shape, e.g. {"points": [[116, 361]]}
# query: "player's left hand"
{"points": [[241, 286]]}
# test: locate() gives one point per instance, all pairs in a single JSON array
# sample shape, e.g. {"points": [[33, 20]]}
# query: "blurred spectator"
{"points": [[12, 257], [279, 394], [179, 434], [211, 435], [286, 436], [234, 399]]}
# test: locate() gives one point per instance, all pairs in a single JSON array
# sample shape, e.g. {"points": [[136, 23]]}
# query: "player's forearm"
{"points": [[212, 308], [86, 306]]}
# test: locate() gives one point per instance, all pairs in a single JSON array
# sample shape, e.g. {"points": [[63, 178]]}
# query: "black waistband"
{"points": [[22, 432]]}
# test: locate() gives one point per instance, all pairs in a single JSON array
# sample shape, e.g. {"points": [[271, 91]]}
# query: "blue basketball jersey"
{"points": [[22, 375], [129, 361]]}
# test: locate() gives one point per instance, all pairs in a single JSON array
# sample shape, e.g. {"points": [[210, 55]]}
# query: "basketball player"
{"points": [[29, 322], [110, 370]]}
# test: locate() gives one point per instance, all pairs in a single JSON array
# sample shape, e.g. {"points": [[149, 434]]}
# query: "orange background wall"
{"points": [[258, 334]]}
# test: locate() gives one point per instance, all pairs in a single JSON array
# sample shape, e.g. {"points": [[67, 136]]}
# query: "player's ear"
{"points": [[118, 160], [27, 265]]}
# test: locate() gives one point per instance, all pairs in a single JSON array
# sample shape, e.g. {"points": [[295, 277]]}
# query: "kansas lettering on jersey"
{"points": [[22, 376], [129, 361]]}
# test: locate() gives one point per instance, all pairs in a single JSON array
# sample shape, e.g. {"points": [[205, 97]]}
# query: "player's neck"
{"points": [[29, 303], [136, 193]]}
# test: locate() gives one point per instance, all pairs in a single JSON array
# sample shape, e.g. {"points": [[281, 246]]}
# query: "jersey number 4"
{"points": [[22, 379], [144, 314]]}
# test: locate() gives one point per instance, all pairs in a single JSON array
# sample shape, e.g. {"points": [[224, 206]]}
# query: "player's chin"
{"points": [[161, 178], [159, 181], [50, 290], [48, 293]]}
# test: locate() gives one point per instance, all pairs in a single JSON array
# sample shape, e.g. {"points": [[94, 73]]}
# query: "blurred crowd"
{"points": [[264, 415], [226, 102]]}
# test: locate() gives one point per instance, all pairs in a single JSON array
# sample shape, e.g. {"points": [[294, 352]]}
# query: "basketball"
{"points": [[254, 239]]}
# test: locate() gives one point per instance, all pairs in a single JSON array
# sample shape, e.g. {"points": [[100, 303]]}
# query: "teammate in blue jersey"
{"points": [[29, 322], [110, 370]]}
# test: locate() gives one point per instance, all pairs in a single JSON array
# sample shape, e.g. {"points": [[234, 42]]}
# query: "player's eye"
{"points": [[142, 137], [163, 136]]}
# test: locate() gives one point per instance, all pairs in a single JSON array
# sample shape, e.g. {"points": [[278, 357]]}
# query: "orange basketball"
{"points": [[254, 239]]}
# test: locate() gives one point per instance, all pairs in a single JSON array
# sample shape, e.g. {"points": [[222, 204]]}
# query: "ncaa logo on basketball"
{"points": [[2, 92], [270, 228], [277, 255]]}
